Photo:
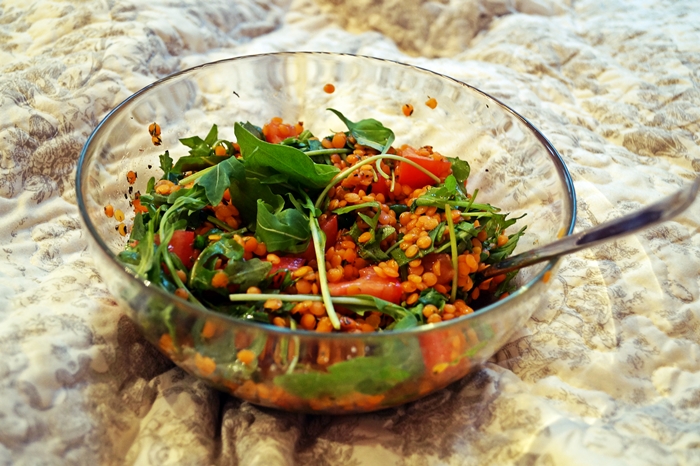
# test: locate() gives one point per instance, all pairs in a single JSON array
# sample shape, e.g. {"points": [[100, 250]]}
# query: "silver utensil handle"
{"points": [[660, 211]]}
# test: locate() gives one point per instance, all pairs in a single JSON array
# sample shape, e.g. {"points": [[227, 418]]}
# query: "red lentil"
{"points": [[219, 280], [246, 356], [339, 140], [308, 322], [272, 304], [324, 325], [279, 322]]}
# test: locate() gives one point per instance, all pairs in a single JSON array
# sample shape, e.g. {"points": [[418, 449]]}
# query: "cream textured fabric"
{"points": [[607, 373]]}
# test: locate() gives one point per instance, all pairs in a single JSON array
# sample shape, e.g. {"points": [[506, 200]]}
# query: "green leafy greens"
{"points": [[293, 163], [369, 132]]}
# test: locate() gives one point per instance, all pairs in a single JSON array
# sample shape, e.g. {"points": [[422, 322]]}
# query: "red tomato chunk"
{"points": [[388, 289]]}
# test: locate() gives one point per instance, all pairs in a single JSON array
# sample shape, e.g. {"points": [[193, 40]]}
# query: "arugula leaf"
{"points": [[464, 231], [451, 193], [304, 142], [254, 130], [219, 348], [430, 296], [245, 195], [145, 248], [247, 273], [189, 163], [350, 208], [293, 163], [345, 377], [129, 257], [306, 203], [371, 375], [368, 132], [201, 147], [371, 250], [407, 321], [466, 228], [312, 145], [150, 184], [212, 136], [500, 253], [203, 268], [219, 178], [166, 163], [444, 193], [460, 169], [427, 296], [399, 209], [499, 223], [286, 230], [138, 230], [450, 185]]}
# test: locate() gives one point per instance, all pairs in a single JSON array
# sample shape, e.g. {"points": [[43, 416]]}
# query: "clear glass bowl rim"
{"points": [[255, 326]]}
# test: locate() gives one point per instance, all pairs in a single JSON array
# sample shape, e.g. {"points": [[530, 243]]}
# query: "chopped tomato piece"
{"points": [[309, 254], [182, 244], [410, 175], [443, 354], [441, 266], [138, 207], [276, 131], [287, 263], [388, 289], [329, 225], [435, 350], [381, 187]]}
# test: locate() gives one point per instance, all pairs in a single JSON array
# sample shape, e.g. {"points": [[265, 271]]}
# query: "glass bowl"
{"points": [[513, 166]]}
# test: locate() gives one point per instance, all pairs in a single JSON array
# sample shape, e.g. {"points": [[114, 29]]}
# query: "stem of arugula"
{"points": [[345, 210], [319, 244], [147, 258], [459, 236], [477, 214], [348, 171], [378, 164], [219, 223], [453, 246], [293, 298], [295, 341], [439, 202], [162, 250], [312, 153], [472, 199], [195, 176]]}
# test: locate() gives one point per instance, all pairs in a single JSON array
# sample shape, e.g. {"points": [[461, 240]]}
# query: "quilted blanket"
{"points": [[608, 372]]}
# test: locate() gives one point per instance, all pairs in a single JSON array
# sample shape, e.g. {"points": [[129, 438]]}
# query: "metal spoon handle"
{"points": [[659, 211]]}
